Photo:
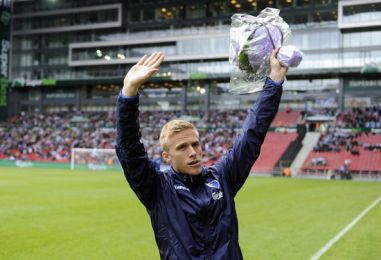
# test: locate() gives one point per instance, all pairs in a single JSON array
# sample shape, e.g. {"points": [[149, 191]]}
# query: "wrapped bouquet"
{"points": [[252, 39]]}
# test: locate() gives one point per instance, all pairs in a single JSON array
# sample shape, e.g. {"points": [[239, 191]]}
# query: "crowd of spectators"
{"points": [[336, 141], [360, 118], [335, 136], [51, 136]]}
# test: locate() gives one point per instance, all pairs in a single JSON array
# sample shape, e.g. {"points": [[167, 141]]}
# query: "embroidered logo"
{"points": [[179, 187], [217, 195], [213, 184]]}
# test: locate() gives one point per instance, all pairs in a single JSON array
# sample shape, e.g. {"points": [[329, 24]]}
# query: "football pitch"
{"points": [[63, 214]]}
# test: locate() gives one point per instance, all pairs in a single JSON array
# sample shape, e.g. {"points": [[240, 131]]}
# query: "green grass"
{"points": [[60, 214]]}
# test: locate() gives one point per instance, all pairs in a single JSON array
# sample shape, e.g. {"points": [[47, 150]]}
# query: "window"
{"points": [[134, 16], [148, 15], [196, 11], [362, 13]]}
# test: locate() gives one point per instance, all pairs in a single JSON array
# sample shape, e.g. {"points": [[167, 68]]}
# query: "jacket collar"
{"points": [[189, 178]]}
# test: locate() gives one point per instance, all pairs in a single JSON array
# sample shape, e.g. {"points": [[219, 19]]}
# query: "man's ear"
{"points": [[166, 157]]}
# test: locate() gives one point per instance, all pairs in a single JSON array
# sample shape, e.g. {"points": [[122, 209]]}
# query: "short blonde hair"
{"points": [[173, 127]]}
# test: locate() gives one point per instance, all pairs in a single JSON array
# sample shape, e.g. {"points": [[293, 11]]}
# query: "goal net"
{"points": [[94, 159]]}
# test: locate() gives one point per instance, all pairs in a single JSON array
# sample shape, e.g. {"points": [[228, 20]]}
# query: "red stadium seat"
{"points": [[286, 119], [366, 160], [274, 146]]}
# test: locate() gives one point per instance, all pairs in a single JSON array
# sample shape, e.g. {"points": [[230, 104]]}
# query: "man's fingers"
{"points": [[142, 59], [274, 53], [158, 61], [150, 58], [155, 59]]}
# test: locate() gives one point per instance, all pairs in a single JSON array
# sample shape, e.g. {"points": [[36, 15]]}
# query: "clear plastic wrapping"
{"points": [[252, 39]]}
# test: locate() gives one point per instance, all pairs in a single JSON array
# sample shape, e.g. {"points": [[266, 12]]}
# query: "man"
{"points": [[191, 207]]}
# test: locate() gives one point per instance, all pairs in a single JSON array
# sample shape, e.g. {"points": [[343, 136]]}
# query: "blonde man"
{"points": [[191, 207]]}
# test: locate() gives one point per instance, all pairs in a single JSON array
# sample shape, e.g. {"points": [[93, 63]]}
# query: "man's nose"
{"points": [[192, 152]]}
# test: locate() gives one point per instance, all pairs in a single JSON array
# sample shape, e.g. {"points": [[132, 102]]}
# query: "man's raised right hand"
{"points": [[140, 72]]}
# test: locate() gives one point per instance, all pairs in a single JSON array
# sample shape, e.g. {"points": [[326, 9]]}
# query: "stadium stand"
{"points": [[286, 118], [274, 146], [360, 117], [362, 150], [50, 137]]}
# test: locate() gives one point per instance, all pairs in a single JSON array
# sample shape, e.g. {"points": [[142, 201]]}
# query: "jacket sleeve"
{"points": [[236, 164], [138, 169]]}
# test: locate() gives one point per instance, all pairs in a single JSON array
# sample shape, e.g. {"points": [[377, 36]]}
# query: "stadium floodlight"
{"points": [[94, 159]]}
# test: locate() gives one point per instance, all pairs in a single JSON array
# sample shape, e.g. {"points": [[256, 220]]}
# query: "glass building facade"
{"points": [[74, 54]]}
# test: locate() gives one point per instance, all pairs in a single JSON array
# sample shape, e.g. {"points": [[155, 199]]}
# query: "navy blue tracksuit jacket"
{"points": [[194, 217]]}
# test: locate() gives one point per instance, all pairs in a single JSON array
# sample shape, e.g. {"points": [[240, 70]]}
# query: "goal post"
{"points": [[94, 159]]}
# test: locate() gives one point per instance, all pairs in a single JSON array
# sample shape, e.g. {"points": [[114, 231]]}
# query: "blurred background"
{"points": [[63, 64]]}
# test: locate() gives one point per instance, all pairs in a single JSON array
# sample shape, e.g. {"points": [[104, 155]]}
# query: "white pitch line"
{"points": [[343, 232]]}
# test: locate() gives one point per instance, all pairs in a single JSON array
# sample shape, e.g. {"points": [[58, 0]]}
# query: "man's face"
{"points": [[184, 152]]}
